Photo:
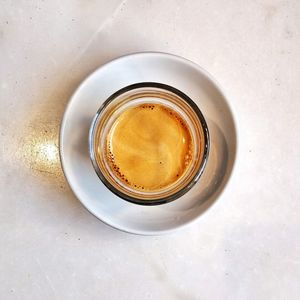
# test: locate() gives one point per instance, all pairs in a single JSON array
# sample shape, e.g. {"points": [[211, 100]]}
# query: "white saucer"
{"points": [[155, 67]]}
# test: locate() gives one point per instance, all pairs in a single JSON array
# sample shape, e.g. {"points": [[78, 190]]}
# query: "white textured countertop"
{"points": [[247, 246]]}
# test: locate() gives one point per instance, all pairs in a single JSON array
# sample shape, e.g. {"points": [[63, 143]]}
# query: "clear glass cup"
{"points": [[149, 93]]}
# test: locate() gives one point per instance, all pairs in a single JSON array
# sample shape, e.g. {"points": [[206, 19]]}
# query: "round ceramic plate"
{"points": [[147, 67]]}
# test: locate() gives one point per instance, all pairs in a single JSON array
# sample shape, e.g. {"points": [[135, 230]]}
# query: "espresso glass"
{"points": [[139, 94]]}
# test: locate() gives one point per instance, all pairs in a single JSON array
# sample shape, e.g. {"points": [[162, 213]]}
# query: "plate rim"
{"points": [[158, 54]]}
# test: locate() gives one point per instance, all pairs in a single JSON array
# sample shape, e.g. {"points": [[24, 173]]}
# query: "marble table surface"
{"points": [[247, 246]]}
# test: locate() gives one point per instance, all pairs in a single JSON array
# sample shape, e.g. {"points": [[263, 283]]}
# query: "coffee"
{"points": [[149, 147], [149, 143]]}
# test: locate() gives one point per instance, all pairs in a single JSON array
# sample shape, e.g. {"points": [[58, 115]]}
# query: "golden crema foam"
{"points": [[149, 147]]}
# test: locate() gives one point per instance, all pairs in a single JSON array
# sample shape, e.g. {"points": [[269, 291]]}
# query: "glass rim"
{"points": [[193, 180]]}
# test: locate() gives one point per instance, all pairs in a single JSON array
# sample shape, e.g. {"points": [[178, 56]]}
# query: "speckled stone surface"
{"points": [[247, 246]]}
